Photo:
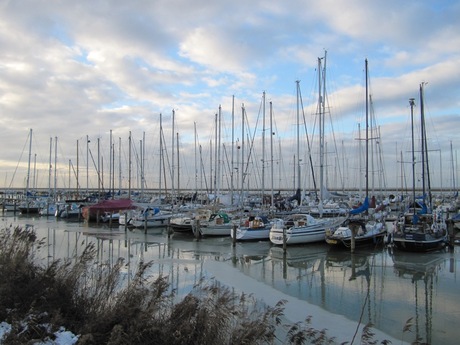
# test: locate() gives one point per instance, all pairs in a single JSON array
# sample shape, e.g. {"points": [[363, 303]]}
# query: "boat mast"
{"points": [[272, 201], [195, 157], [298, 135], [28, 170], [110, 163], [178, 167], [367, 130], [50, 167], [263, 148], [219, 153], [233, 150], [129, 166], [242, 155], [172, 158], [161, 155], [412, 104], [78, 170], [55, 166], [322, 111], [425, 164], [119, 166], [454, 187], [87, 165]]}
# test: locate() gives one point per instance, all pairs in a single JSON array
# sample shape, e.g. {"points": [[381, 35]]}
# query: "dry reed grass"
{"points": [[86, 298]]}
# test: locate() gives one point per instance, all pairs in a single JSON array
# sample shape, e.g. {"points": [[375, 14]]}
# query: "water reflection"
{"points": [[383, 287], [422, 271]]}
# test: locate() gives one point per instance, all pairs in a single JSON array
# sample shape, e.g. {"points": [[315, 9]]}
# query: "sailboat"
{"points": [[420, 229], [366, 225], [29, 206], [302, 228]]}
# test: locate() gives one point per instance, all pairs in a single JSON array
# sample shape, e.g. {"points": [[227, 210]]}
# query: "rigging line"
{"points": [[228, 165], [308, 141], [98, 172], [20, 157], [251, 146], [335, 144]]}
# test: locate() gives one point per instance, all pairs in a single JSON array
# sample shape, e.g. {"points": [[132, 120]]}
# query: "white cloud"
{"points": [[72, 69]]}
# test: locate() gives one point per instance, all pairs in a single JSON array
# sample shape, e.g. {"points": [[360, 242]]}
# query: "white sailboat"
{"points": [[302, 228]]}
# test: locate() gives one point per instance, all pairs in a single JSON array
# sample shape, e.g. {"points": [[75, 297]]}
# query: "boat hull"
{"points": [[308, 233], [370, 234], [251, 234], [419, 242], [216, 230]]}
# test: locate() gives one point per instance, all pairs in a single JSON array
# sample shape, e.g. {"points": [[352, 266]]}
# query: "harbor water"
{"points": [[339, 290]]}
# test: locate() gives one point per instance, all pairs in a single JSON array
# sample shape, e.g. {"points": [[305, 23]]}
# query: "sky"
{"points": [[92, 79]]}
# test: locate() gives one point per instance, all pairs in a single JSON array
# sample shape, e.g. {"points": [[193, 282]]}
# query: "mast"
{"points": [[50, 167], [412, 104], [178, 167], [195, 157], [119, 165], [55, 166], [143, 165], [242, 155], [98, 168], [28, 170], [87, 165], [215, 155], [263, 148], [272, 202], [367, 129], [172, 158], [322, 111], [129, 165], [233, 149], [454, 187], [219, 159], [78, 170], [161, 155], [298, 135], [425, 164], [110, 163]]}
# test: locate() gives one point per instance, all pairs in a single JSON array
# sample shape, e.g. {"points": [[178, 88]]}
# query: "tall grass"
{"points": [[85, 298]]}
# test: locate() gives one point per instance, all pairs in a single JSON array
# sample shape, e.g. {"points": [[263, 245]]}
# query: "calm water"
{"points": [[336, 288]]}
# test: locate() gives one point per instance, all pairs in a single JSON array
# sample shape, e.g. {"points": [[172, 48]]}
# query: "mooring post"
{"points": [[284, 239], [126, 221], [451, 233], [353, 228], [196, 228], [234, 235], [170, 230]]}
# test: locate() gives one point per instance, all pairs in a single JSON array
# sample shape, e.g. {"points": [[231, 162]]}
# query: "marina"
{"points": [[340, 290]]}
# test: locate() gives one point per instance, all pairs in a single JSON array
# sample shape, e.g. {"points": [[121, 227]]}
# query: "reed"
{"points": [[88, 299]]}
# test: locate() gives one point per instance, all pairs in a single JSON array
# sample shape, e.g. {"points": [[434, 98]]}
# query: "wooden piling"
{"points": [[284, 240], [196, 228], [234, 235], [451, 233], [170, 230], [353, 228]]}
